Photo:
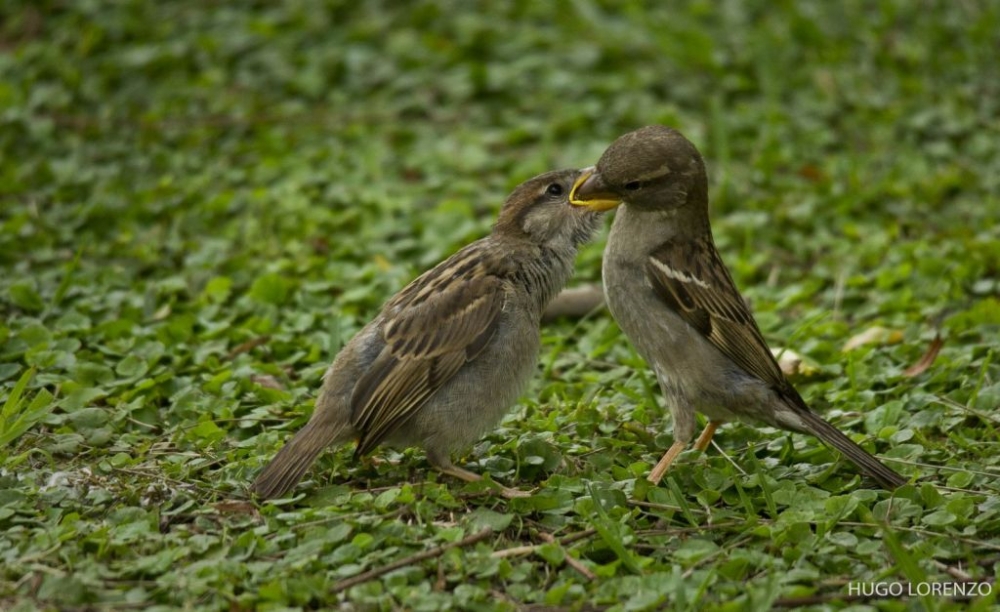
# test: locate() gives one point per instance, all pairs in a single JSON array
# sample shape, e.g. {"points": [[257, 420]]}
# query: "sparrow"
{"points": [[670, 292], [450, 353]]}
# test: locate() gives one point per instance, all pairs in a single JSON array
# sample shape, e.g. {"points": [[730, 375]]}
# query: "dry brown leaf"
{"points": [[162, 312], [247, 346], [267, 381], [873, 335], [812, 173], [791, 363], [235, 507], [382, 263], [925, 362]]}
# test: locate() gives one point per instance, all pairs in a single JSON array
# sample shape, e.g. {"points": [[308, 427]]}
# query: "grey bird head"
{"points": [[654, 168], [539, 211]]}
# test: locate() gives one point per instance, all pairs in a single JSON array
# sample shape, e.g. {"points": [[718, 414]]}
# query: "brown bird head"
{"points": [[539, 210], [654, 168]]}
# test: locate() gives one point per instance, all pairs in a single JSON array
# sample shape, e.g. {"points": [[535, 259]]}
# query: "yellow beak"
{"points": [[589, 190]]}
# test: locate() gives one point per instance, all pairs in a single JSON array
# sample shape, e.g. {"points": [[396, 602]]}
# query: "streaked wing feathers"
{"points": [[693, 282], [433, 327]]}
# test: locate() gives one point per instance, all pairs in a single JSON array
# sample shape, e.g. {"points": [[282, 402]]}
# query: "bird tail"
{"points": [[869, 465], [292, 461]]}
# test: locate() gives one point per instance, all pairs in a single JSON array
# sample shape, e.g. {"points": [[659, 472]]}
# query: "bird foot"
{"points": [[467, 476]]}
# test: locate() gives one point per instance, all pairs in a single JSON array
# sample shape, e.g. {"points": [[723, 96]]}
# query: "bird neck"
{"points": [[541, 269], [645, 229]]}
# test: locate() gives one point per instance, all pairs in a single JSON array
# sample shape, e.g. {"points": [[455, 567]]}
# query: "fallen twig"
{"points": [[247, 346], [954, 572], [517, 551], [411, 560], [570, 560]]}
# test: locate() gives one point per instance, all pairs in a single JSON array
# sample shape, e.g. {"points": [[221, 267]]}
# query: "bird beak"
{"points": [[589, 190]]}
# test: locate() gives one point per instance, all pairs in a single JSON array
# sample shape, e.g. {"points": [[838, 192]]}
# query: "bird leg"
{"points": [[656, 475], [706, 435], [445, 466]]}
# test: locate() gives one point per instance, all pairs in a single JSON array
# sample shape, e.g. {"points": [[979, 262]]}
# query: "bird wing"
{"points": [[692, 280], [434, 326]]}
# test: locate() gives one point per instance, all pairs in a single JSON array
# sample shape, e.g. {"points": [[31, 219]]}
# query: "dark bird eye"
{"points": [[632, 186], [555, 189]]}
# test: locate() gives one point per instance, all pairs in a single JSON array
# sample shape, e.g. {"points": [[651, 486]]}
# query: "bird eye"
{"points": [[555, 189], [633, 186]]}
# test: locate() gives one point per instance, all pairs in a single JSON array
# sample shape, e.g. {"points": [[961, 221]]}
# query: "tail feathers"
{"points": [[869, 465], [292, 461]]}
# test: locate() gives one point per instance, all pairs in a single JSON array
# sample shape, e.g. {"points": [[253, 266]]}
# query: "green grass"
{"points": [[201, 202]]}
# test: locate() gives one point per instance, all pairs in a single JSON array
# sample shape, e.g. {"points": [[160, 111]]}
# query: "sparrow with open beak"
{"points": [[671, 294], [449, 354]]}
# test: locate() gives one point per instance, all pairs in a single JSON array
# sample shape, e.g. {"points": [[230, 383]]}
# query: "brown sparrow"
{"points": [[449, 354], [673, 297]]}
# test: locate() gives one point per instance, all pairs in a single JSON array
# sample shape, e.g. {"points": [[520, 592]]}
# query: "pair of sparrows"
{"points": [[451, 352]]}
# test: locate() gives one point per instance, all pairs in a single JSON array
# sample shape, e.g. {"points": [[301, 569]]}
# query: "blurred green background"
{"points": [[201, 201]]}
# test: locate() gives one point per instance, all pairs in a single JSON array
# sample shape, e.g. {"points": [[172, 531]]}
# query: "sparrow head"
{"points": [[653, 168], [539, 210]]}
